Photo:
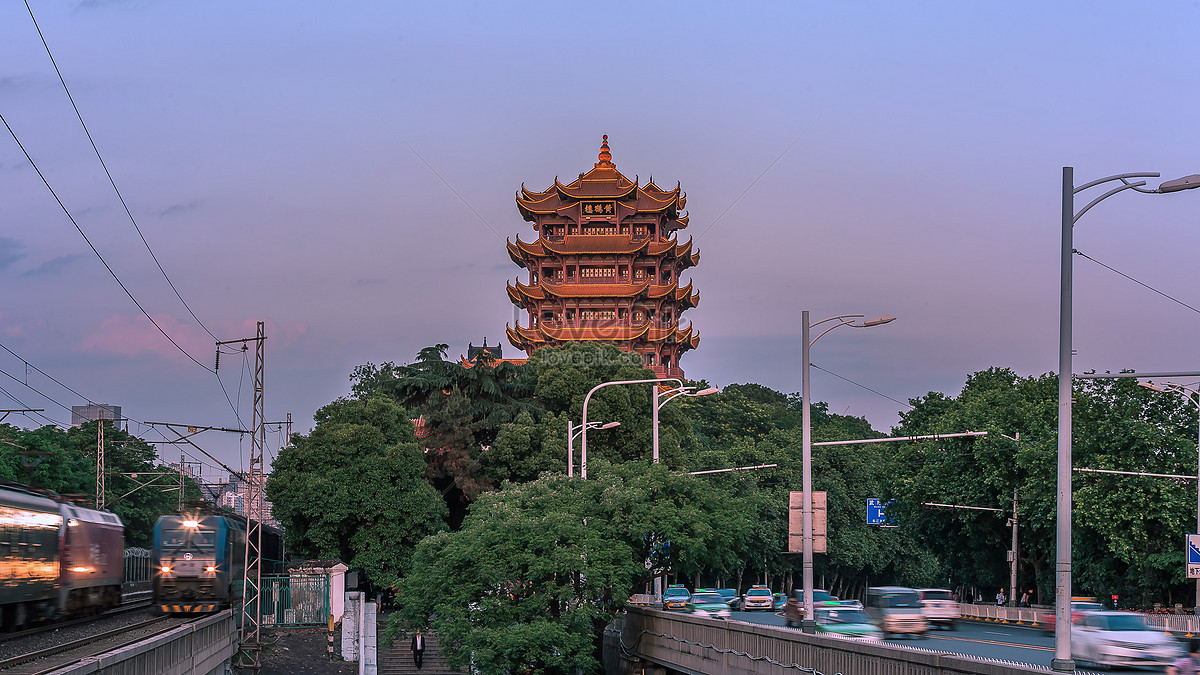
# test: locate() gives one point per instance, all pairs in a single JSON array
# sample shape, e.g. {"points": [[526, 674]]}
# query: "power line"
{"points": [[430, 167], [764, 172], [907, 405], [91, 246], [1140, 283], [111, 181]]}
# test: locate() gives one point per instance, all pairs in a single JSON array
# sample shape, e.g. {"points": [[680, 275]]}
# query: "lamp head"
{"points": [[610, 425], [706, 392], [878, 321], [1185, 183]]}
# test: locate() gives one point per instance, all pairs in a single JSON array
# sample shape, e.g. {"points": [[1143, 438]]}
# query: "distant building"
{"points": [[606, 267], [91, 412], [495, 350], [235, 496]]}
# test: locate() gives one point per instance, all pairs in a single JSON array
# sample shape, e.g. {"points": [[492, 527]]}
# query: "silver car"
{"points": [[1121, 639]]}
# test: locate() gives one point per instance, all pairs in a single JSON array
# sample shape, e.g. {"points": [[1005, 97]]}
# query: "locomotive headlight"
{"points": [[165, 569], [210, 568], [191, 523]]}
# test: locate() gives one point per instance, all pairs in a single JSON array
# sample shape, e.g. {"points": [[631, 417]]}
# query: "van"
{"points": [[940, 606], [897, 610]]}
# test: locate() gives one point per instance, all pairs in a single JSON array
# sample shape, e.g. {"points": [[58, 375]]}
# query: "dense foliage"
{"points": [[529, 565], [354, 489]]}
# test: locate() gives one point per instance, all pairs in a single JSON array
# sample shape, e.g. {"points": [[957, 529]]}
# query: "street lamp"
{"points": [[1186, 391], [671, 395], [573, 432], [808, 624], [1062, 578], [583, 432]]}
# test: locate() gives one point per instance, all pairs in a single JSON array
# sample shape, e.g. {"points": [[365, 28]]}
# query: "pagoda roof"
{"points": [[598, 244], [603, 181], [521, 294]]}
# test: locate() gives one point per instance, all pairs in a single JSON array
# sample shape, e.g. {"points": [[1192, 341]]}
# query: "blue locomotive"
{"points": [[199, 561], [56, 560]]}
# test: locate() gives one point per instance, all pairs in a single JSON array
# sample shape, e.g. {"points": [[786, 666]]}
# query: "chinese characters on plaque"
{"points": [[599, 208]]}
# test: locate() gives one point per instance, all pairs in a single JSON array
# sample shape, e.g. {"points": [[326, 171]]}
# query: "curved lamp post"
{"points": [[808, 624], [573, 432], [668, 396], [1187, 393], [583, 432], [1062, 577]]}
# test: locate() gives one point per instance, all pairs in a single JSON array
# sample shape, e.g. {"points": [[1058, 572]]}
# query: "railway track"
{"points": [[58, 656], [123, 609]]}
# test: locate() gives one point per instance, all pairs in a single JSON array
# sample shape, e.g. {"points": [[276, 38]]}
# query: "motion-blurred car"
{"points": [[709, 603], [1080, 607], [1121, 639], [758, 597], [676, 598], [780, 601], [939, 606], [730, 595], [793, 611], [846, 621]]}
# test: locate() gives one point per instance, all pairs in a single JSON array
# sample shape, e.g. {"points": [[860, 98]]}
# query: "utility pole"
{"points": [[100, 459], [248, 655], [1014, 554]]}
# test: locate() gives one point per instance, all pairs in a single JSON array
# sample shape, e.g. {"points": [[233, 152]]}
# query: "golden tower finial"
{"points": [[605, 156]]}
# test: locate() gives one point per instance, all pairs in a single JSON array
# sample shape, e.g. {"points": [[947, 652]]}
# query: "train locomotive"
{"points": [[199, 561], [56, 560]]}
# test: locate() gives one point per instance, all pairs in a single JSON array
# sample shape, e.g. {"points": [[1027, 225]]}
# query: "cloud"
{"points": [[103, 4], [10, 252], [361, 283], [134, 336], [176, 209], [54, 266]]}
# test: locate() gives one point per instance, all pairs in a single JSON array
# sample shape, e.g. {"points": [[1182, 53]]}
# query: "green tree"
{"points": [[538, 569], [354, 489]]}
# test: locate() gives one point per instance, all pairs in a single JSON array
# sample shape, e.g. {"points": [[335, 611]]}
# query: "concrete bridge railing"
{"points": [[649, 637]]}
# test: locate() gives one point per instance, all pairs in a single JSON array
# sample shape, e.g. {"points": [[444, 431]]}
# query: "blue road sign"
{"points": [[1193, 556], [875, 512]]}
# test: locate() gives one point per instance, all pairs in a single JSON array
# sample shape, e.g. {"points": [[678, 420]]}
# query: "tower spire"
{"points": [[605, 156]]}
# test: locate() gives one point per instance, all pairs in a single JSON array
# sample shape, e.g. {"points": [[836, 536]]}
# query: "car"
{"points": [[846, 622], [897, 610], [1121, 639], [707, 602], [758, 597], [1079, 608], [939, 606], [677, 598], [780, 601], [793, 611], [730, 595]]}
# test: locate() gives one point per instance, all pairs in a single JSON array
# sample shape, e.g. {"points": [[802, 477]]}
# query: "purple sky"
{"points": [[346, 173]]}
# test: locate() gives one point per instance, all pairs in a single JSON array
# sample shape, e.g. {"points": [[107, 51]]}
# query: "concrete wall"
{"points": [[712, 647], [204, 647]]}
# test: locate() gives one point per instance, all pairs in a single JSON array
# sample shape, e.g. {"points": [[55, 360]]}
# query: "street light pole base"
{"points": [[1063, 665], [808, 626]]}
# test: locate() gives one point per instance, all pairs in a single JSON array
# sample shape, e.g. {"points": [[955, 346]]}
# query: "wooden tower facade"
{"points": [[606, 267]]}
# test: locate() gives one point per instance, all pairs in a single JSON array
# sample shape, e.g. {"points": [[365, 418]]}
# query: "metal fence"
{"points": [[137, 569], [1178, 624], [295, 600]]}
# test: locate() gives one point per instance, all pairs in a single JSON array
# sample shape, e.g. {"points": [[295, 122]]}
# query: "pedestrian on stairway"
{"points": [[418, 649]]}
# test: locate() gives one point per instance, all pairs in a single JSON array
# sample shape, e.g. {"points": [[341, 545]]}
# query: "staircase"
{"points": [[397, 659]]}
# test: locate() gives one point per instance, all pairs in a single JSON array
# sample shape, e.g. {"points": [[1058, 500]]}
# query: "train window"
{"points": [[179, 538]]}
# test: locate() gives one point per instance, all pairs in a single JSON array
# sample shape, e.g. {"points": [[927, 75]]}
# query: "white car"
{"points": [[1121, 639]]}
